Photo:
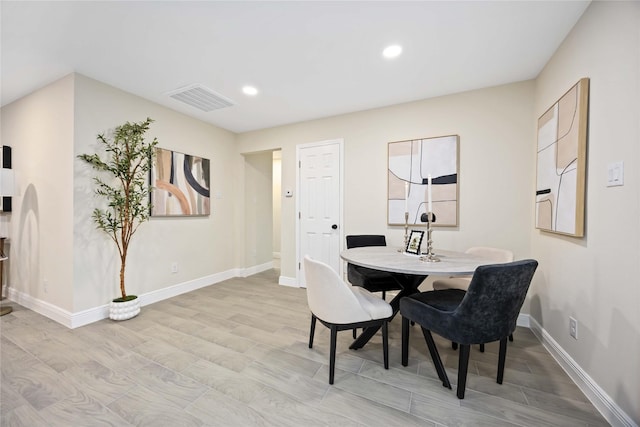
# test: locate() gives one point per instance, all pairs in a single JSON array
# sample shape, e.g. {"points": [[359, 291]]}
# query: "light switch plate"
{"points": [[615, 174]]}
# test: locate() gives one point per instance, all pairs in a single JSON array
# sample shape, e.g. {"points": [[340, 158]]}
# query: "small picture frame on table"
{"points": [[414, 242]]}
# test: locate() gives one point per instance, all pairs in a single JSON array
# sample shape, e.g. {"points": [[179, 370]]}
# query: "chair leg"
{"points": [[354, 333], [332, 353], [384, 294], [313, 330], [511, 337], [481, 348], [435, 356], [463, 364], [385, 343], [405, 341], [454, 345], [502, 357]]}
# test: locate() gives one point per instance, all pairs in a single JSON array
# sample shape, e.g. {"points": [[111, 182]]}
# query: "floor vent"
{"points": [[201, 98]]}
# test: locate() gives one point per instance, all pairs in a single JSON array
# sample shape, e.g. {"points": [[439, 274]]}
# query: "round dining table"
{"points": [[387, 258], [409, 270]]}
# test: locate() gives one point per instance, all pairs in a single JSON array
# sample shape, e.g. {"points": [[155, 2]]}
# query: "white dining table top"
{"points": [[390, 259]]}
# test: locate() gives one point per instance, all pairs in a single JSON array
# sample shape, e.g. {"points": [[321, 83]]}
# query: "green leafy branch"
{"points": [[128, 159]]}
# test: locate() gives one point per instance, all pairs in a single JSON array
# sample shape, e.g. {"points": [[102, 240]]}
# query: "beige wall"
{"points": [[497, 165], [595, 279], [200, 245], [39, 128], [53, 237], [277, 201], [258, 210]]}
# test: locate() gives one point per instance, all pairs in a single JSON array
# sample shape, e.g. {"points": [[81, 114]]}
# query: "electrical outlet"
{"points": [[174, 267], [573, 328]]}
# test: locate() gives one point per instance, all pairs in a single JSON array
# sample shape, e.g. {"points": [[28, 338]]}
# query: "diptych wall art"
{"points": [[180, 184], [6, 179], [561, 163], [410, 164]]}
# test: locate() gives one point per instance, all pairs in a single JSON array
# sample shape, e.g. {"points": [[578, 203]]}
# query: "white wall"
{"points": [[39, 128], [497, 165], [595, 279]]}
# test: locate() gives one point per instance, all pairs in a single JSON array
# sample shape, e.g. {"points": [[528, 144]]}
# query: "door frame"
{"points": [[340, 143]]}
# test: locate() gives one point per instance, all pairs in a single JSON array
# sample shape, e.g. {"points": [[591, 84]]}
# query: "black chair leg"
{"points": [[502, 357], [454, 345], [481, 348], [463, 364], [332, 353], [313, 330], [511, 337], [405, 341], [435, 356], [384, 294], [385, 343], [354, 333]]}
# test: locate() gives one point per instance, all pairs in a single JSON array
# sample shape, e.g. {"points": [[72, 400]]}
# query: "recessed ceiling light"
{"points": [[250, 90], [392, 51]]}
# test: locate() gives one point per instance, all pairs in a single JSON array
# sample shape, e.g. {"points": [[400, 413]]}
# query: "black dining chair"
{"points": [[370, 279], [486, 312], [496, 255]]}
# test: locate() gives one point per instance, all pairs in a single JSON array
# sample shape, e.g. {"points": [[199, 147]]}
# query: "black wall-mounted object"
{"points": [[6, 164]]}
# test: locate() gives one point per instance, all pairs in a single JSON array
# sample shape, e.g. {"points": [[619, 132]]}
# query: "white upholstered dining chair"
{"points": [[340, 306], [496, 255]]}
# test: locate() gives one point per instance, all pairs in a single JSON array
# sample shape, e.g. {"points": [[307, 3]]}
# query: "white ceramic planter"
{"points": [[124, 310]]}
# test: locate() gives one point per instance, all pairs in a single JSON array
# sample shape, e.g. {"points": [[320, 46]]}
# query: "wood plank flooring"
{"points": [[236, 354]]}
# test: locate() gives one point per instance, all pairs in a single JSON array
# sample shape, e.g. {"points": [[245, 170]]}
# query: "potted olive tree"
{"points": [[122, 182]]}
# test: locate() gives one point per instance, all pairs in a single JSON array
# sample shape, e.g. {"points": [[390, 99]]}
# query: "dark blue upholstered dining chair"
{"points": [[371, 280], [486, 312]]}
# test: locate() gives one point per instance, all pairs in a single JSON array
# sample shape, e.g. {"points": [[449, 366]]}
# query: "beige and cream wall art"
{"points": [[180, 184], [410, 165], [561, 163]]}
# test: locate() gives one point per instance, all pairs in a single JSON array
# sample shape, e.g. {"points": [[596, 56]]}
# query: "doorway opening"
{"points": [[277, 207], [263, 171]]}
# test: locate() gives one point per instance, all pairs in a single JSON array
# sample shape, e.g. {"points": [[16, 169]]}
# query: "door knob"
{"points": [[334, 226]]}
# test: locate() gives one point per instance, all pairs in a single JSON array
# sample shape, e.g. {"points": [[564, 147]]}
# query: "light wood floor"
{"points": [[236, 354]]}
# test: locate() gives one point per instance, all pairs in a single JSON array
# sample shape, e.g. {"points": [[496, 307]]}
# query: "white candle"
{"points": [[406, 196], [429, 201]]}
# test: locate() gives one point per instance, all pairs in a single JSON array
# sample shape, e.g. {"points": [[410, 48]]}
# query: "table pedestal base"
{"points": [[409, 285]]}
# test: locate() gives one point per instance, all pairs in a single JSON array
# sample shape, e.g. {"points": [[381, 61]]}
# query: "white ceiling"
{"points": [[308, 59]]}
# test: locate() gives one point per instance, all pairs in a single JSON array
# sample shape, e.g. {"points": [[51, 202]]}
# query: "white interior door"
{"points": [[319, 204]]}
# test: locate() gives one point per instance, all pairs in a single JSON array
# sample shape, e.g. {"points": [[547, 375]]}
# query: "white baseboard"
{"points": [[81, 318], [523, 320], [192, 285], [257, 269], [598, 397], [288, 281], [46, 309]]}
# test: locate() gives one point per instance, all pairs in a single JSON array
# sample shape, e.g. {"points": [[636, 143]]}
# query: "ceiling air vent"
{"points": [[201, 98]]}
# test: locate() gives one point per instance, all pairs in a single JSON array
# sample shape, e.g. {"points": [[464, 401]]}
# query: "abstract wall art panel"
{"points": [[561, 163], [410, 165], [180, 184], [6, 179]]}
